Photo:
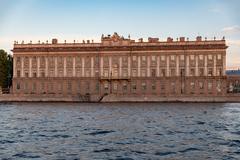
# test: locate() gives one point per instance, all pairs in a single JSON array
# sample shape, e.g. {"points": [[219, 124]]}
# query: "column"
{"points": [[214, 65], [30, 66], [92, 67], [22, 67], [101, 66], [187, 65], [158, 65], [139, 66], [55, 67], [46, 67], [177, 65], [14, 67], [38, 66], [196, 66], [224, 65], [167, 57], [64, 67], [83, 66], [74, 66], [129, 66], [120, 67], [205, 66], [110, 66], [148, 66]]}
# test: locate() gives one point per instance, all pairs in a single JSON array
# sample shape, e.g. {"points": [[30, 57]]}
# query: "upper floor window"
{"points": [[162, 58], [172, 57], [210, 57], [192, 57], [181, 57], [219, 56]]}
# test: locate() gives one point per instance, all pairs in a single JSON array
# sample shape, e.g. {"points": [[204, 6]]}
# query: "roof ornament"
{"points": [[223, 38], [214, 38], [129, 36]]}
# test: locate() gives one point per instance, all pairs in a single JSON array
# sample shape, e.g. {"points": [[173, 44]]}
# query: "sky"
{"points": [[88, 19]]}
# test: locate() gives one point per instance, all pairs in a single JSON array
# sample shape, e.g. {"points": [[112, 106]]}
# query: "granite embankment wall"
{"points": [[115, 98]]}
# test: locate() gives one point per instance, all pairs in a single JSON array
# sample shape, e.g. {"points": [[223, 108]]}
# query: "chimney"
{"points": [[153, 40], [140, 40], [54, 41], [199, 39], [182, 39], [169, 39]]}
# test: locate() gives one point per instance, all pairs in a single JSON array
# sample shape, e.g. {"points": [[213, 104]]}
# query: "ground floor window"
{"points": [[18, 86]]}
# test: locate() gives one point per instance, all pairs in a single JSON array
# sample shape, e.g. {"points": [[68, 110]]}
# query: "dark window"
{"points": [[18, 86], [18, 74]]}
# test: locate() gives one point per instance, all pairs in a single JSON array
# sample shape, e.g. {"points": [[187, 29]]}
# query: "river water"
{"points": [[120, 131]]}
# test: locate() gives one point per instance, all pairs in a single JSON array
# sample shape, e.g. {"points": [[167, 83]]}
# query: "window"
{"points": [[106, 86], [192, 57], [192, 87], [162, 58], [42, 74], [172, 57], [201, 85], [210, 71], [209, 86], [18, 73], [144, 86], [172, 72], [182, 57], [105, 73], [210, 57], [153, 72], [18, 86], [201, 72], [219, 56], [201, 57], [153, 58], [26, 86], [182, 72], [134, 86], [34, 87], [26, 74], [124, 86], [134, 58], [218, 86], [143, 73], [125, 72], [192, 72], [115, 86], [163, 74], [153, 85], [97, 86], [69, 86], [34, 74], [134, 72], [219, 72]]}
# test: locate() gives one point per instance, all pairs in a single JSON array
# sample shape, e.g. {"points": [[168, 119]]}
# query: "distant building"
{"points": [[233, 72], [121, 66]]}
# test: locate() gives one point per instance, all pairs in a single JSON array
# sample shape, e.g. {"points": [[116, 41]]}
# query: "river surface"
{"points": [[120, 131]]}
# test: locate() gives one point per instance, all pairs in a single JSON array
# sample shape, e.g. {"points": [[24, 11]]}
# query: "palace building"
{"points": [[121, 66]]}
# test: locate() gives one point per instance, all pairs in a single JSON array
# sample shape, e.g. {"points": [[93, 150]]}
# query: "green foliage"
{"points": [[6, 69]]}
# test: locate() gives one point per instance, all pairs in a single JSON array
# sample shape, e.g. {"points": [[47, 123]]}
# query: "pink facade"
{"points": [[121, 66]]}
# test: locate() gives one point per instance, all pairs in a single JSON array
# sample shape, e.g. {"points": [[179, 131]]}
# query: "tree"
{"points": [[6, 69]]}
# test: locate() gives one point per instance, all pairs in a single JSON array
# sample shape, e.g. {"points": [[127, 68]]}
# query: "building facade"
{"points": [[121, 66]]}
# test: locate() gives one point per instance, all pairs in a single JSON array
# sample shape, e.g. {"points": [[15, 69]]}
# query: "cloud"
{"points": [[234, 42], [231, 29], [215, 10]]}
